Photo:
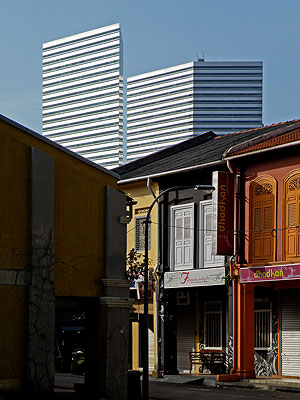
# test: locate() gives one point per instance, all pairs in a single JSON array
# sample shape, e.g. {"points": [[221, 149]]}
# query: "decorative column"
{"points": [[245, 330], [108, 366], [170, 333], [230, 329]]}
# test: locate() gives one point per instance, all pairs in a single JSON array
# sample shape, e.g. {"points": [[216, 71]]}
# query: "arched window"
{"points": [[291, 215], [262, 219]]}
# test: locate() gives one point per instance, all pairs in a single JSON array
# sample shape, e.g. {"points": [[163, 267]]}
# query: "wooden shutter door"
{"points": [[268, 226], [291, 231], [292, 217], [256, 251], [263, 220]]}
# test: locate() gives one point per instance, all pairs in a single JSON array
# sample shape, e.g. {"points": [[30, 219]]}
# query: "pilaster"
{"points": [[245, 331], [41, 302]]}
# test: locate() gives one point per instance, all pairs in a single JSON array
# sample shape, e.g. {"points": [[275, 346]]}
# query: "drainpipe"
{"points": [[150, 188], [156, 278]]}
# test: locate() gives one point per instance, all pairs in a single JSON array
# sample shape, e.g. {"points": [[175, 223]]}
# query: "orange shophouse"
{"points": [[266, 265]]}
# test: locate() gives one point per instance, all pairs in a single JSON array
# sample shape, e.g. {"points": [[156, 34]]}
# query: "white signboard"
{"points": [[194, 278]]}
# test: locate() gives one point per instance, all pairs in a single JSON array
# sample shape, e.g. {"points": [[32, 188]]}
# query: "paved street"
{"points": [[177, 391], [65, 382], [165, 391]]}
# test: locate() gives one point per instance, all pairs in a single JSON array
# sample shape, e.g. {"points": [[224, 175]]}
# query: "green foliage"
{"points": [[135, 265], [227, 280]]}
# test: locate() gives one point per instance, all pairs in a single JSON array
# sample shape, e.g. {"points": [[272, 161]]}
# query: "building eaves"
{"points": [[58, 147], [281, 134], [164, 153], [204, 155], [170, 172]]}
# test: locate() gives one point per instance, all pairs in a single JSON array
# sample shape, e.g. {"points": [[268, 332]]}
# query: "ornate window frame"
{"points": [[292, 174], [264, 184]]}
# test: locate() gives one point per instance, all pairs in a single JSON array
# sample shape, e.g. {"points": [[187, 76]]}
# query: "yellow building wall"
{"points": [[79, 252], [12, 336], [15, 204], [80, 213], [140, 193], [79, 236]]}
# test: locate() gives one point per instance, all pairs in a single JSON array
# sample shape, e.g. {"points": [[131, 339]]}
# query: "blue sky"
{"points": [[156, 34]]}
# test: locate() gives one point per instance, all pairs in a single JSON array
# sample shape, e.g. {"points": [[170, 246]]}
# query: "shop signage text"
{"points": [[272, 273], [194, 278], [223, 211]]}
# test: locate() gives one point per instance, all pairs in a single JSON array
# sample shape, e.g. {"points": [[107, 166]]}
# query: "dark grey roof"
{"points": [[198, 151]]}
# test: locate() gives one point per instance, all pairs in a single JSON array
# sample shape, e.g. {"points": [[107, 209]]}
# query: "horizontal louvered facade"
{"points": [[167, 106], [83, 94]]}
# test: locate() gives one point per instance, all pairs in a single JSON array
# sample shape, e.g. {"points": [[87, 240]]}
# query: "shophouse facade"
{"points": [[193, 299], [265, 268], [63, 246]]}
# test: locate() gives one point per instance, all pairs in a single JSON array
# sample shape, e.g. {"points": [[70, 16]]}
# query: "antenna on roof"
{"points": [[199, 58]]}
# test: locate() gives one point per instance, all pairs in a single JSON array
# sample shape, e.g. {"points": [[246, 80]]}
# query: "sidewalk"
{"points": [[262, 383], [65, 382]]}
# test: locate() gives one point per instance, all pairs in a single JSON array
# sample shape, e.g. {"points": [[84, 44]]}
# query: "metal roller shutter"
{"points": [[290, 332], [185, 336], [151, 349]]}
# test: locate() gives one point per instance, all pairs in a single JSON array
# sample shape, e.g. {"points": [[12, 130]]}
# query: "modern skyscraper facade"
{"points": [[170, 105], [83, 94]]}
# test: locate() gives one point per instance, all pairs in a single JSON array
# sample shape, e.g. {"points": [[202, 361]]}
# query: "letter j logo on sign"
{"points": [[184, 277]]}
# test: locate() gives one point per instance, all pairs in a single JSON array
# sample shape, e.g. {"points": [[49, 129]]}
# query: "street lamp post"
{"points": [[145, 343]]}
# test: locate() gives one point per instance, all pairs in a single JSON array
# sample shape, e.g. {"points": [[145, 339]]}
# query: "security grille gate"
{"points": [[213, 324], [263, 324], [290, 332], [185, 336]]}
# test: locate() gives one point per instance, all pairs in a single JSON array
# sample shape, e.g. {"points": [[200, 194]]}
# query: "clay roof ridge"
{"points": [[258, 128], [280, 129]]}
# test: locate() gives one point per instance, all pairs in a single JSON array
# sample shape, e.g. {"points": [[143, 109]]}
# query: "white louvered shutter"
{"points": [[182, 245], [207, 259]]}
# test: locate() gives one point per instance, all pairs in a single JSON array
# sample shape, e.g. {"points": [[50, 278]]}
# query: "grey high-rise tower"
{"points": [[169, 105]]}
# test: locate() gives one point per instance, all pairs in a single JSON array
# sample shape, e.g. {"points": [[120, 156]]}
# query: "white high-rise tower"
{"points": [[170, 105], [83, 94]]}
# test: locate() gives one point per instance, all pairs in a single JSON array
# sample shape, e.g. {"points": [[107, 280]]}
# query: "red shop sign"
{"points": [[270, 273], [223, 213]]}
